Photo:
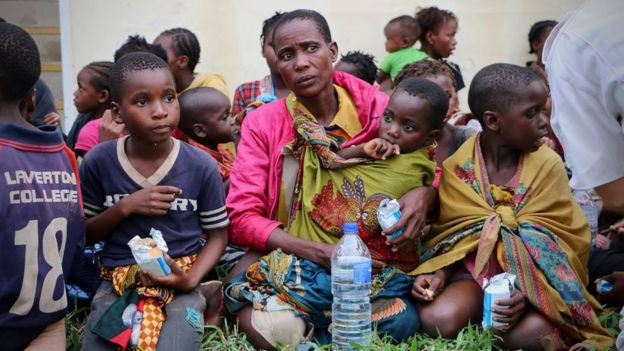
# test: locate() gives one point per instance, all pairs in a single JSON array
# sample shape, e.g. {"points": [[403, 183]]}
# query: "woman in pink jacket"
{"points": [[265, 174]]}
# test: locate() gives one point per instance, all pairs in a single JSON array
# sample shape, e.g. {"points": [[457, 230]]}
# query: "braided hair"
{"points": [[267, 26], [100, 79], [186, 44], [431, 19]]}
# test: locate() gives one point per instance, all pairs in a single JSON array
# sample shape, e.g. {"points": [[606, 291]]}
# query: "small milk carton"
{"points": [[149, 253], [388, 213], [499, 287]]}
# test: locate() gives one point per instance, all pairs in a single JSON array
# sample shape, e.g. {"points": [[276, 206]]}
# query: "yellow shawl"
{"points": [[542, 236]]}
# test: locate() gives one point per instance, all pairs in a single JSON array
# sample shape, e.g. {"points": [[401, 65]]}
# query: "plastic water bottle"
{"points": [[351, 286]]}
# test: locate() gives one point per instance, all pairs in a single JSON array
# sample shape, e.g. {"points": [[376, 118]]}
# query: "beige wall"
{"points": [[228, 30]]}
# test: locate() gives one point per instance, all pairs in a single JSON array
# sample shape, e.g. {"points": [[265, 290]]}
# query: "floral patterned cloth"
{"points": [[532, 226]]}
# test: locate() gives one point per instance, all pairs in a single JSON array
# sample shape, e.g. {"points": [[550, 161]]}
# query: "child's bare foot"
{"points": [[214, 300]]}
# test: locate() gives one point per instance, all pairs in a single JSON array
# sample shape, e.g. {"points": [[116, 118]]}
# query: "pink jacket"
{"points": [[257, 174]]}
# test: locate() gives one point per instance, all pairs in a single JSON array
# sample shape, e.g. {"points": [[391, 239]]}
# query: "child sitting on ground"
{"points": [[358, 64], [401, 34], [42, 230], [505, 206], [142, 181], [92, 99], [205, 120]]}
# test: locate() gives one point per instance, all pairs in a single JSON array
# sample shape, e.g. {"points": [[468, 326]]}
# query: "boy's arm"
{"points": [[206, 261], [152, 201], [208, 258]]}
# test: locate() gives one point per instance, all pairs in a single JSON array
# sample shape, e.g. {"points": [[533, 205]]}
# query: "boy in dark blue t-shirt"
{"points": [[150, 180], [42, 228]]}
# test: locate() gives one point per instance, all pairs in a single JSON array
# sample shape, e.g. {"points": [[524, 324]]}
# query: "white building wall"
{"points": [[228, 30]]}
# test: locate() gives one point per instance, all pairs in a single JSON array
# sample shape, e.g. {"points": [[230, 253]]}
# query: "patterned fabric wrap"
{"points": [[335, 190], [152, 300], [532, 225], [280, 281], [223, 156]]}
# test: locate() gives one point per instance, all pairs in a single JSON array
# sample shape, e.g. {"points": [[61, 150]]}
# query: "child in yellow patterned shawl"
{"points": [[505, 205]]}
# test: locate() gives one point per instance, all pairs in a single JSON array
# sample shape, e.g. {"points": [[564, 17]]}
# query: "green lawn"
{"points": [[228, 337]]}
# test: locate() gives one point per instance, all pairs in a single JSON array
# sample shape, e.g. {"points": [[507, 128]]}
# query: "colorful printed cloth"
{"points": [[224, 157], [136, 317], [532, 226], [284, 282], [256, 179], [330, 190], [249, 92]]}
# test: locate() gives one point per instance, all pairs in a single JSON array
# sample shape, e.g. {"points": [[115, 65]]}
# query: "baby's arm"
{"points": [[377, 148], [356, 151]]}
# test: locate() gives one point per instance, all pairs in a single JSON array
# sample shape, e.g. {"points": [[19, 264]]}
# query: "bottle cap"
{"points": [[350, 228]]}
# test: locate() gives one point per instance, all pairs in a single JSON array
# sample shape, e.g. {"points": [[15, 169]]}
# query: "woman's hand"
{"points": [[177, 280], [381, 149], [510, 310], [414, 208], [428, 286]]}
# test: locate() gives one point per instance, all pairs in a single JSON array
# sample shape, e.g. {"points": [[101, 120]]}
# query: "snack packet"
{"points": [[149, 253]]}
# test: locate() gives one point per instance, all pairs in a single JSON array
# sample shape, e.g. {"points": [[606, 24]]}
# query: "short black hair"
{"points": [[409, 28], [137, 43], [192, 102], [186, 44], [132, 62], [302, 14], [425, 68], [536, 31], [431, 93], [365, 64], [495, 87], [431, 19], [268, 25], [20, 65]]}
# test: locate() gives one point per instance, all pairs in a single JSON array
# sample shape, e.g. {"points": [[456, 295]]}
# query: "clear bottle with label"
{"points": [[351, 286]]}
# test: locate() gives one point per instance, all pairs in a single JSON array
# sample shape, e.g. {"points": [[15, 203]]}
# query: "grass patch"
{"points": [[229, 338]]}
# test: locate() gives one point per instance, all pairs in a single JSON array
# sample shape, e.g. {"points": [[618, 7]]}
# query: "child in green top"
{"points": [[401, 34]]}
